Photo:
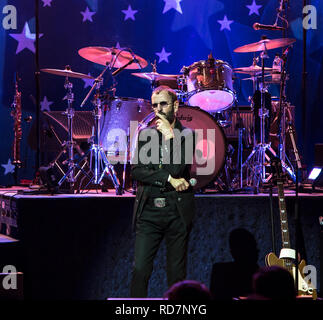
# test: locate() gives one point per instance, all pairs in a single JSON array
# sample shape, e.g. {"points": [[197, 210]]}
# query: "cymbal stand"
{"points": [[101, 165], [68, 146], [282, 119], [256, 160]]}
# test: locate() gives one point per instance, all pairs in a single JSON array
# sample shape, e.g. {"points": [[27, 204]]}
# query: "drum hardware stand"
{"points": [[282, 119], [125, 161], [238, 169], [256, 160], [67, 146], [102, 165], [241, 132]]}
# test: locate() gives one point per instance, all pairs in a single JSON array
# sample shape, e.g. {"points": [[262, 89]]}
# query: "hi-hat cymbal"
{"points": [[116, 57], [253, 70], [155, 76], [67, 72], [265, 44], [256, 77]]}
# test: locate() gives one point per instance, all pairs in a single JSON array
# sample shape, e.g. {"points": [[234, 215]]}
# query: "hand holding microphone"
{"points": [[181, 184]]}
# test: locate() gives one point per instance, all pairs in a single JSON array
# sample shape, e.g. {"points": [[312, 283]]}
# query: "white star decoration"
{"points": [[25, 39], [254, 8], [129, 13], [163, 55], [9, 167], [172, 4], [45, 104], [87, 15], [225, 23]]}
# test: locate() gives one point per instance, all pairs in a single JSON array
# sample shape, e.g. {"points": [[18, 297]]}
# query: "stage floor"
{"points": [[21, 192], [80, 246]]}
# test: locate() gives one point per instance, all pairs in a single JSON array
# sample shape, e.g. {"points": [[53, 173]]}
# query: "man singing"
{"points": [[164, 205]]}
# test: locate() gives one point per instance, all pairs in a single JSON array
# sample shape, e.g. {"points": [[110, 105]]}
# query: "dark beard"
{"points": [[170, 116]]}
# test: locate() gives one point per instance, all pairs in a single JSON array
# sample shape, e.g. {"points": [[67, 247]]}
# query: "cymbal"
{"points": [[155, 76], [265, 44], [117, 57], [253, 70], [67, 73], [256, 77]]}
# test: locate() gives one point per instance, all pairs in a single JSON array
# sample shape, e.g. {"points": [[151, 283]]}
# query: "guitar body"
{"points": [[304, 288], [272, 260]]}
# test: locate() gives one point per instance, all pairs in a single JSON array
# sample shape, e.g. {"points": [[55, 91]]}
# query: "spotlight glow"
{"points": [[314, 173]]}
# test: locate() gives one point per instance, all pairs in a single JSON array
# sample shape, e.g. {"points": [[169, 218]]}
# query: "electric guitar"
{"points": [[287, 255]]}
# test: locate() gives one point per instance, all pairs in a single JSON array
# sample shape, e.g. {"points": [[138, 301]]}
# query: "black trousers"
{"points": [[152, 227]]}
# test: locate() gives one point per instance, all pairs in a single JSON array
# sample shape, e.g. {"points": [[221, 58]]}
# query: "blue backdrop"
{"points": [[172, 32]]}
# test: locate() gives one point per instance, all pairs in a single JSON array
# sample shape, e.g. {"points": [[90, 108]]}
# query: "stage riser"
{"points": [[83, 248]]}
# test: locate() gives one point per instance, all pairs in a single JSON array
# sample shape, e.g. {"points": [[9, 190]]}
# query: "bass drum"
{"points": [[210, 143]]}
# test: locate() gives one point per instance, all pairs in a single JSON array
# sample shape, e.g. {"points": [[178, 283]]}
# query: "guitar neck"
{"points": [[283, 215]]}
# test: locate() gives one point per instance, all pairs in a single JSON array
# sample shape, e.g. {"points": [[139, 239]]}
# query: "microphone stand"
{"points": [[304, 94], [37, 81]]}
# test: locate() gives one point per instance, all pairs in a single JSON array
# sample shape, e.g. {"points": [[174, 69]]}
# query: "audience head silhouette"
{"points": [[274, 283], [188, 290], [243, 246]]}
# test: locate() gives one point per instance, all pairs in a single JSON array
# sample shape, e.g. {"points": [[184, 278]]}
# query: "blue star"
{"points": [[47, 3], [88, 82], [87, 14], [225, 23], [254, 8], [25, 39], [119, 47], [129, 13], [196, 14], [45, 104], [9, 167], [163, 55], [172, 4]]}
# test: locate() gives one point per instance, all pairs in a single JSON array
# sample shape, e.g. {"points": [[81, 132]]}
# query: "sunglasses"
{"points": [[163, 104]]}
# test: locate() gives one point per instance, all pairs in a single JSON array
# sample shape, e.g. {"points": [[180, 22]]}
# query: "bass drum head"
{"points": [[212, 100], [210, 148]]}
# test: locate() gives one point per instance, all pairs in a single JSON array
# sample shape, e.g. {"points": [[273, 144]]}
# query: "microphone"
{"points": [[286, 51], [137, 63], [258, 26], [193, 182], [135, 60], [115, 72]]}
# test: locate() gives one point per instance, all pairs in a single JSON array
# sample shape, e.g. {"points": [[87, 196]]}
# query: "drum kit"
{"points": [[207, 97]]}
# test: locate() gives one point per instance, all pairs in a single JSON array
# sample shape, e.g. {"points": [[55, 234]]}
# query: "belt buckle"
{"points": [[160, 202]]}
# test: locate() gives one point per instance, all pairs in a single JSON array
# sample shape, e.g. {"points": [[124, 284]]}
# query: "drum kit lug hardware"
{"points": [[205, 90]]}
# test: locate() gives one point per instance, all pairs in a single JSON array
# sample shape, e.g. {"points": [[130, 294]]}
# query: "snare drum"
{"points": [[210, 86]]}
